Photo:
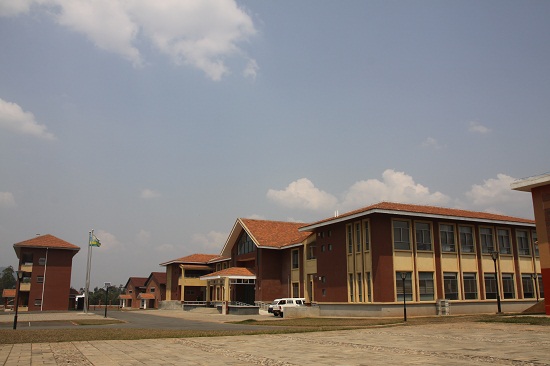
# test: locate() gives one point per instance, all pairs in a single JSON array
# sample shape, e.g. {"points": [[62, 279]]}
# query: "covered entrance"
{"points": [[235, 285]]}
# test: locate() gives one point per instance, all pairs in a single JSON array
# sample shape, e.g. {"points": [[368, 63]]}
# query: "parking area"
{"points": [[430, 344]]}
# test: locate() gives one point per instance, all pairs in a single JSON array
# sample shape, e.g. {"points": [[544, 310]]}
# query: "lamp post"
{"points": [[107, 285], [403, 277], [19, 277], [494, 256]]}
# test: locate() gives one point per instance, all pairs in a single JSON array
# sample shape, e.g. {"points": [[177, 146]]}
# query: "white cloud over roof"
{"points": [[198, 33]]}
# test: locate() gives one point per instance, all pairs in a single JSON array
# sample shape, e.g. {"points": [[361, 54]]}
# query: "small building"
{"points": [[133, 288], [154, 292], [46, 263], [8, 296]]}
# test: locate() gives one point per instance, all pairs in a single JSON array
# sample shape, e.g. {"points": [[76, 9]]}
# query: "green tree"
{"points": [[7, 280]]}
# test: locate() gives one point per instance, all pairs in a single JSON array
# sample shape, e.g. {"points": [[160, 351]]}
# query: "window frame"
{"points": [[472, 237], [504, 246], [430, 235], [444, 239], [401, 230], [424, 286], [524, 247], [472, 277], [485, 249], [448, 280], [295, 259]]}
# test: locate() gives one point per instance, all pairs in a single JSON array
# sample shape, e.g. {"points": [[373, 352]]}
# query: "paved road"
{"points": [[143, 319]]}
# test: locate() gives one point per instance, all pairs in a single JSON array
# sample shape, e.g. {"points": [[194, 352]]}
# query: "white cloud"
{"points": [[149, 193], [430, 142], [304, 195], [476, 127], [251, 69], [394, 187], [212, 241], [13, 118], [108, 240], [143, 236], [495, 195], [256, 217], [7, 199], [199, 33]]}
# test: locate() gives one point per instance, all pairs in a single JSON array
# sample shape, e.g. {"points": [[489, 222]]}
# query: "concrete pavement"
{"points": [[431, 344]]}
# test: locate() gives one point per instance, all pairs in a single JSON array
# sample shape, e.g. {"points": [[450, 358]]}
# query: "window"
{"points": [[423, 236], [130, 291], [324, 292], [330, 247], [527, 284], [37, 302], [358, 242], [487, 245], [470, 286], [523, 242], [360, 287], [399, 286], [368, 287], [508, 288], [426, 286], [351, 297], [152, 289], [401, 237], [450, 285], [323, 279], [504, 245], [295, 289], [350, 239], [41, 261], [535, 243], [323, 248], [490, 286], [447, 236], [366, 235], [466, 236], [246, 245], [311, 248], [40, 279], [295, 261]]}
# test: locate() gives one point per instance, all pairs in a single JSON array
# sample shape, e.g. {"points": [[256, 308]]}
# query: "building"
{"points": [[154, 291], [133, 288], [443, 254], [539, 186], [46, 263]]}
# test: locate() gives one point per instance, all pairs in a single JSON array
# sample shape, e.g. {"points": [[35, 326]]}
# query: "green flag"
{"points": [[94, 241]]}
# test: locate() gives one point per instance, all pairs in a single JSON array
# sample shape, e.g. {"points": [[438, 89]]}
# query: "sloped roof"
{"points": [[136, 281], [231, 272], [274, 234], [46, 241], [146, 296], [193, 258], [160, 277], [421, 210]]}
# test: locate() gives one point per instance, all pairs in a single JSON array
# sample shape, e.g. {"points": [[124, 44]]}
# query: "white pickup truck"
{"points": [[279, 308]]}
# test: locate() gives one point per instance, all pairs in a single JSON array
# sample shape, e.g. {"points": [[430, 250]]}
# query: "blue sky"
{"points": [[158, 124]]}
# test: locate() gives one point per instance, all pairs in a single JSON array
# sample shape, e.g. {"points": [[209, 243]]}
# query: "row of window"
{"points": [[245, 244], [451, 286], [464, 241]]}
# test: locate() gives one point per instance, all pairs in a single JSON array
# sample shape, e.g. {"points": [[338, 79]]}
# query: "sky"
{"points": [[158, 123]]}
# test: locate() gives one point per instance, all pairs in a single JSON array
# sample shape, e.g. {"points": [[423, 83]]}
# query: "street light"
{"points": [[494, 255], [107, 285], [19, 276], [403, 277]]}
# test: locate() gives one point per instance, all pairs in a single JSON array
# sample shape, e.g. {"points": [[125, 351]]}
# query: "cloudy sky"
{"points": [[159, 123]]}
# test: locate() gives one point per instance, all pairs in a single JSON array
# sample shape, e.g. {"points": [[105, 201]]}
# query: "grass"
{"points": [[83, 333]]}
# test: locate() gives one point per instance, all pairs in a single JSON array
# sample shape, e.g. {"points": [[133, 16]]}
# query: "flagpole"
{"points": [[86, 289]]}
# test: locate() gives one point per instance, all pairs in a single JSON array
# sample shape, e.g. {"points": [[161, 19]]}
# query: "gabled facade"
{"points": [[154, 291], [46, 263], [133, 288], [444, 254]]}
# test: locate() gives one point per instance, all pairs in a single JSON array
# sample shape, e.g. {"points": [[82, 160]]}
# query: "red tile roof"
{"points": [[8, 292], [160, 277], [421, 210], [275, 234], [193, 258], [136, 281], [46, 241], [146, 296], [231, 272]]}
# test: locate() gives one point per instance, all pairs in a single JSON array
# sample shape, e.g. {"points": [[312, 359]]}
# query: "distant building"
{"points": [[133, 288], [154, 292], [46, 263]]}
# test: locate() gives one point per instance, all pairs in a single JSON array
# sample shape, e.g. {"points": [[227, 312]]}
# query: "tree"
{"points": [[7, 280]]}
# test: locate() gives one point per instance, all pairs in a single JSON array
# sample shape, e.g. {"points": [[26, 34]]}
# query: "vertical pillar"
{"points": [[539, 187]]}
